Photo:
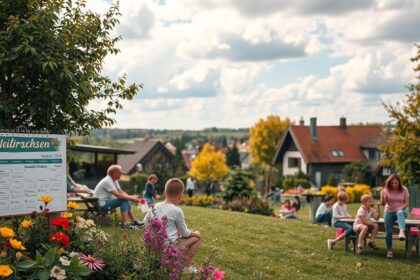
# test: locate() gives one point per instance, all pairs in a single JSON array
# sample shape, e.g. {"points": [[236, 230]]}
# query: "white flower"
{"points": [[58, 273], [72, 254], [90, 223], [64, 261]]}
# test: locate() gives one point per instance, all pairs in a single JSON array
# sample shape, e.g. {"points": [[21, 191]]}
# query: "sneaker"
{"points": [[137, 223], [390, 254], [190, 270], [359, 250], [330, 244], [401, 236], [128, 226]]}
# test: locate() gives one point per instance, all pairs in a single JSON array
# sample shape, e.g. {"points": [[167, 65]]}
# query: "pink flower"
{"points": [[91, 262], [218, 274]]}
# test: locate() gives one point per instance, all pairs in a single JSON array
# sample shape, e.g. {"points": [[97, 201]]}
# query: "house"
{"points": [[150, 156], [319, 151], [89, 162]]}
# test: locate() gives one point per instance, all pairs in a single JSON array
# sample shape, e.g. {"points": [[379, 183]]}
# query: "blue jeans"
{"points": [[347, 228], [150, 201], [116, 202], [389, 218], [324, 218]]}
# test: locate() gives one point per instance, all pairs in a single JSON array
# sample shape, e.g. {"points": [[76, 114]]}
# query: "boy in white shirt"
{"points": [[363, 224], [340, 212], [176, 227]]}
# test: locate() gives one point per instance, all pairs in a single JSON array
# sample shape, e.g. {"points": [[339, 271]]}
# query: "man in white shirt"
{"points": [[111, 196], [190, 187]]}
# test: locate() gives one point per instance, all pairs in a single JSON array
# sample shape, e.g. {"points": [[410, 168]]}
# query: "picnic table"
{"points": [[410, 240], [91, 206]]}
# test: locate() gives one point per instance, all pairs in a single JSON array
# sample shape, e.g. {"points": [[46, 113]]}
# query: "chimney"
{"points": [[312, 129], [302, 121], [343, 124]]}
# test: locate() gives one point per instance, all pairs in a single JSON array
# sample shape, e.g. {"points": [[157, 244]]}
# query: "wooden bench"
{"points": [[92, 209], [410, 240]]}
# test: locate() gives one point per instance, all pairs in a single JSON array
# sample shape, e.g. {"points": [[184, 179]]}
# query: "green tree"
{"points": [[232, 157], [358, 171], [264, 138], [403, 149], [237, 185], [51, 59]]}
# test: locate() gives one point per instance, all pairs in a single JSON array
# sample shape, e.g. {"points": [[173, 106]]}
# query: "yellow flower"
{"points": [[18, 255], [17, 245], [3, 253], [5, 270], [26, 224], [67, 215], [7, 232], [60, 251], [73, 205], [46, 199]]}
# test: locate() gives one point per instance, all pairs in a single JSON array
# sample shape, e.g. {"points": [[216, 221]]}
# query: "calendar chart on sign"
{"points": [[32, 165]]}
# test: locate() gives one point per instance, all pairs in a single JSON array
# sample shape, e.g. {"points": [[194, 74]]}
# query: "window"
{"points": [[337, 153], [294, 162], [373, 155]]}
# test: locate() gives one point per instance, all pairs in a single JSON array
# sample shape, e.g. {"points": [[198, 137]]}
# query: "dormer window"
{"points": [[337, 153]]}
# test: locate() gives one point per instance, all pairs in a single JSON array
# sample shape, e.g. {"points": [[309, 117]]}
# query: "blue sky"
{"points": [[228, 63]]}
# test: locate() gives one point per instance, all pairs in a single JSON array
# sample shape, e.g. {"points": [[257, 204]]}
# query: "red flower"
{"points": [[61, 221], [60, 237], [47, 210]]}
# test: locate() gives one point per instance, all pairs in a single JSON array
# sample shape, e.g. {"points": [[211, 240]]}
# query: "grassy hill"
{"points": [[256, 247]]}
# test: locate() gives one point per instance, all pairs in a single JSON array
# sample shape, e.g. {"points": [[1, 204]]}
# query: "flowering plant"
{"points": [[163, 259], [32, 249]]}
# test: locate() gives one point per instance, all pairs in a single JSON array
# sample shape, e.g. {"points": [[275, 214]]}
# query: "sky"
{"points": [[229, 63]]}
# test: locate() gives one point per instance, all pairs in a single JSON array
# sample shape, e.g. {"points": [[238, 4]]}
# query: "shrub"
{"points": [[237, 185], [303, 183], [332, 179], [327, 189], [359, 190], [252, 205], [121, 254], [288, 183], [201, 201]]}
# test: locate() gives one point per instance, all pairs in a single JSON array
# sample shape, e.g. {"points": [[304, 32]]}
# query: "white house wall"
{"points": [[292, 171]]}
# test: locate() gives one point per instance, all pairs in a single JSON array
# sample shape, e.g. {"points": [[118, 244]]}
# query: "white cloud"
{"points": [[207, 62]]}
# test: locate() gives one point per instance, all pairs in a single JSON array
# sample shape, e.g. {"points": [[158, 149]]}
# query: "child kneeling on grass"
{"points": [[363, 224], [340, 212], [174, 188]]}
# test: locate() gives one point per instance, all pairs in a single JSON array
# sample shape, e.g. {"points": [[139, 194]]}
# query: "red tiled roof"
{"points": [[331, 138]]}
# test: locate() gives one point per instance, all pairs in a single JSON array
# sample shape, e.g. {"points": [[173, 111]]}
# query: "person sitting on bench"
{"points": [[73, 187], [110, 196]]}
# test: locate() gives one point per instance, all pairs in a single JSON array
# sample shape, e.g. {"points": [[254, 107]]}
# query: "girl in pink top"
{"points": [[395, 198], [363, 223]]}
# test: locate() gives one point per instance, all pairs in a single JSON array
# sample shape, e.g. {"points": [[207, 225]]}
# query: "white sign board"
{"points": [[32, 165]]}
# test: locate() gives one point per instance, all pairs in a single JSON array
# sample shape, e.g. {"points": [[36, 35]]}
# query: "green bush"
{"points": [[303, 183], [252, 205], [237, 185], [121, 256], [332, 179], [288, 183]]}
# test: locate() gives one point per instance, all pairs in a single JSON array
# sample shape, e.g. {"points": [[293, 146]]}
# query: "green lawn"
{"points": [[256, 247]]}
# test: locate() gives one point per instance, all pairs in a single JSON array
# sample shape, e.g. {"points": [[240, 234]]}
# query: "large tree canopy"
{"points": [[51, 59], [404, 147]]}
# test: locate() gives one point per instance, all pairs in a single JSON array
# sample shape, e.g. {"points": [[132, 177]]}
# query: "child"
{"points": [[363, 224], [287, 211], [323, 213], [174, 188], [340, 212], [149, 190], [296, 203]]}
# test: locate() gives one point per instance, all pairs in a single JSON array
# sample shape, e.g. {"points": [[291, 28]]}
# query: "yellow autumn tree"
{"points": [[264, 139], [209, 165]]}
